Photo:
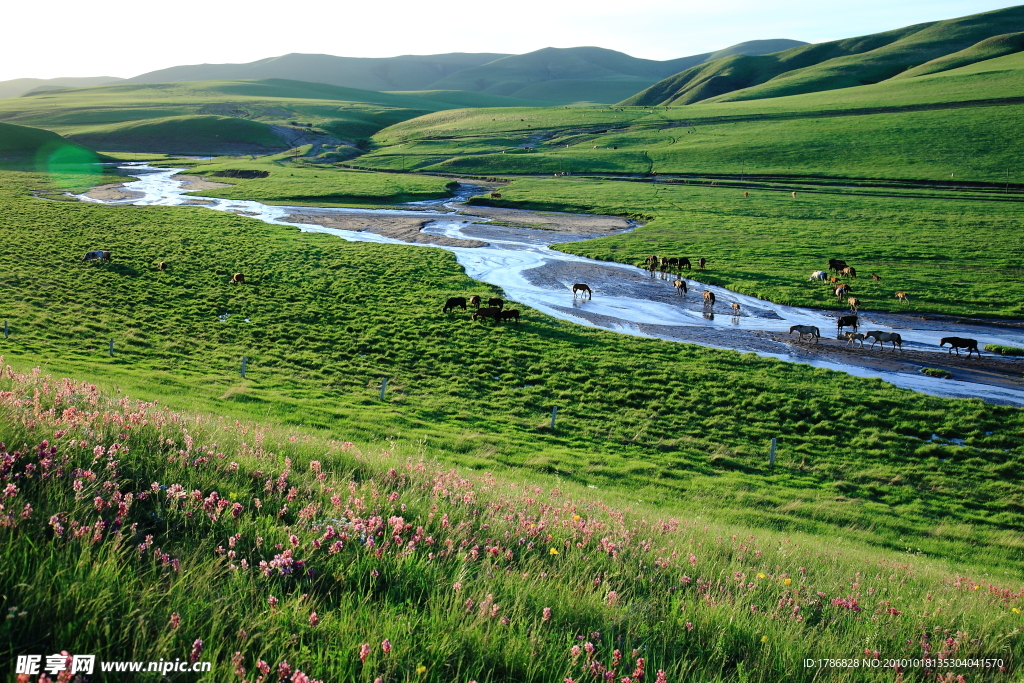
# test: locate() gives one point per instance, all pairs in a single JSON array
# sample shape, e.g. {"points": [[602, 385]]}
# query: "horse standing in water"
{"points": [[581, 289]]}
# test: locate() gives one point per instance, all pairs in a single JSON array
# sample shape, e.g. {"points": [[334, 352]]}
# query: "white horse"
{"points": [[819, 275], [879, 337]]}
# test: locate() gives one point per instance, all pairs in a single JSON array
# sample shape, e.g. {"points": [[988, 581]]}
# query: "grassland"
{"points": [[136, 533], [321, 320]]}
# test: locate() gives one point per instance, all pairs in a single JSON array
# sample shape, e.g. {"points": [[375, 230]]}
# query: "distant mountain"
{"points": [[22, 86], [842, 63], [407, 72]]}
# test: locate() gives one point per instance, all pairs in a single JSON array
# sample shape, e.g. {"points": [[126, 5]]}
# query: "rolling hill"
{"points": [[23, 86], [843, 63], [21, 144]]}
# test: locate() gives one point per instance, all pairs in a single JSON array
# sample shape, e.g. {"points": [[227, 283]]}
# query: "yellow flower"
{"points": [[575, 518], [553, 551], [761, 576], [976, 587], [787, 581], [421, 669], [1016, 610], [764, 639]]}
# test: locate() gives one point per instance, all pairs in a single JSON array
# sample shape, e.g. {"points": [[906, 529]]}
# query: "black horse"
{"points": [[454, 301]]}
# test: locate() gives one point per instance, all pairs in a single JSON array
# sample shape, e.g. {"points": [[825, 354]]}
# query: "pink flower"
{"points": [[661, 677], [613, 598], [273, 602], [457, 586], [689, 626], [547, 614], [314, 620], [364, 652], [197, 650], [385, 645], [175, 620]]}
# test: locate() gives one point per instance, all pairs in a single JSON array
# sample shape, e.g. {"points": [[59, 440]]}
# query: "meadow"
{"points": [[139, 533]]}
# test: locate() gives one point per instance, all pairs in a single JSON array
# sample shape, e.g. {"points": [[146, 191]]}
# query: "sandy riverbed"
{"points": [[194, 183], [113, 192], [566, 223], [404, 228]]}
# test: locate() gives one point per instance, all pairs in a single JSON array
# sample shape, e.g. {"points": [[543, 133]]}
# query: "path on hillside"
{"points": [[516, 256]]}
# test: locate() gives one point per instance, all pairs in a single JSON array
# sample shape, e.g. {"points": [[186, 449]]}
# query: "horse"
{"points": [[902, 296], [680, 286], [849, 270], [684, 263], [746, 194], [735, 308], [511, 314], [238, 279], [833, 280], [819, 275], [652, 268], [806, 329], [582, 289], [495, 302], [474, 301], [701, 262], [454, 301], [846, 321], [651, 259], [882, 337], [854, 303], [961, 343], [794, 195], [709, 298], [841, 291], [852, 337], [97, 255], [836, 264], [161, 266], [876, 278], [488, 312]]}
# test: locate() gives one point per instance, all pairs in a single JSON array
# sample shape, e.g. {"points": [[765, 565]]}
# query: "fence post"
{"points": [[554, 414], [771, 455], [245, 362], [383, 386], [110, 348]]}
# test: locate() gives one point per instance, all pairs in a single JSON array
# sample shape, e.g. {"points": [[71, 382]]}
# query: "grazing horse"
{"points": [[709, 298], [663, 267], [581, 289], [852, 337], [735, 308], [161, 266], [652, 268], [474, 301], [684, 263], [833, 280], [806, 329], [489, 312], [511, 314], [846, 321], [97, 255], [454, 301], [841, 291], [794, 195], [238, 279], [680, 286], [902, 296], [961, 343], [849, 270], [854, 303], [746, 194], [836, 264], [701, 262], [651, 259], [876, 278], [819, 275], [496, 302], [882, 337]]}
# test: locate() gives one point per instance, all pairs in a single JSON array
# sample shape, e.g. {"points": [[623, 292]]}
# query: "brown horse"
{"points": [[581, 289], [701, 262], [876, 278], [854, 303], [684, 263], [849, 270], [841, 291], [496, 302], [709, 298], [450, 305], [511, 314], [474, 301], [238, 279], [833, 280], [961, 343], [852, 337], [902, 296], [735, 308], [489, 312], [680, 286], [746, 194]]}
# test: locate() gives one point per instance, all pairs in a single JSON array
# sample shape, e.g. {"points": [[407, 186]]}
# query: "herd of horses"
{"points": [[841, 289], [101, 255], [879, 337], [495, 308]]}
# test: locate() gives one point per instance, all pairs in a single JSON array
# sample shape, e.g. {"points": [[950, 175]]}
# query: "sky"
{"points": [[65, 38]]}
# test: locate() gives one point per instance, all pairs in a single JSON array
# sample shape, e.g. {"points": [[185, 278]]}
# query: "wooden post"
{"points": [[554, 414], [245, 362], [771, 455], [110, 349], [383, 386]]}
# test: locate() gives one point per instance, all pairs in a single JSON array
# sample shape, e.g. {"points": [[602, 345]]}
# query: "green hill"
{"points": [[990, 48], [185, 135], [21, 146], [22, 86], [834, 65]]}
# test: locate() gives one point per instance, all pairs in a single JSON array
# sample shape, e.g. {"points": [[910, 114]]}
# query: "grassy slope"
{"points": [[156, 534], [651, 419], [183, 135], [830, 66], [990, 48]]}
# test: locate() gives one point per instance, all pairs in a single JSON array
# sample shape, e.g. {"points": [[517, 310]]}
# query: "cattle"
{"points": [[488, 312], [709, 298], [961, 343], [680, 286], [238, 279], [474, 301], [879, 337], [97, 255], [806, 329], [511, 314], [846, 321], [582, 289], [453, 302], [819, 275], [495, 302]]}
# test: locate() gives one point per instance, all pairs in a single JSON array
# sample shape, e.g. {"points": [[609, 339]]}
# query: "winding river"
{"points": [[521, 262]]}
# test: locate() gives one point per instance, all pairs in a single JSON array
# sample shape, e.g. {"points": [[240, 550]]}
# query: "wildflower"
{"points": [[762, 576], [364, 652], [575, 518], [175, 620], [457, 586], [787, 582], [613, 598], [764, 639], [661, 677], [385, 645], [1015, 610], [689, 626], [547, 614], [197, 650], [575, 652], [553, 551], [421, 669], [273, 602], [374, 573], [314, 620]]}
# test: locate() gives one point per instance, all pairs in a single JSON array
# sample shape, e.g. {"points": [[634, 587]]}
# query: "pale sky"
{"points": [[65, 38]]}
